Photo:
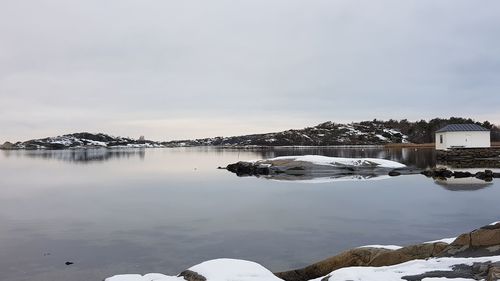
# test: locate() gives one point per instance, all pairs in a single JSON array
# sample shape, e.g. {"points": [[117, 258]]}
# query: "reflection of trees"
{"points": [[82, 155]]}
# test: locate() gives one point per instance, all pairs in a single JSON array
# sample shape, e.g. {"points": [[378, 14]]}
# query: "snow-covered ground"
{"points": [[241, 270], [213, 270], [396, 272]]}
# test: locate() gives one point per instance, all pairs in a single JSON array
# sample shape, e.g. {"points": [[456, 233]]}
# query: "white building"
{"points": [[462, 135]]}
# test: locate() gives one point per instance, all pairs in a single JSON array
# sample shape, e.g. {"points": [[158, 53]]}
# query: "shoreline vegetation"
{"points": [[474, 255]]}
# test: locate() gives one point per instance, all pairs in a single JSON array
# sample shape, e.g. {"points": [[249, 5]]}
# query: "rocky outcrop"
{"points": [[7, 145], [81, 140], [481, 242], [363, 257], [487, 175], [484, 241], [190, 275], [316, 166]]}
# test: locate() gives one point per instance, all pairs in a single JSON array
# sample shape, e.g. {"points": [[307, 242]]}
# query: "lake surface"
{"points": [[163, 210]]}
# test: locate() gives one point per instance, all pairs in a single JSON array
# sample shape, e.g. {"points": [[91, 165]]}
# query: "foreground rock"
{"points": [[471, 256]]}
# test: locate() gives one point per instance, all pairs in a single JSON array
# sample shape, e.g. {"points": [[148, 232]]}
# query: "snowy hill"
{"points": [[327, 133], [81, 140]]}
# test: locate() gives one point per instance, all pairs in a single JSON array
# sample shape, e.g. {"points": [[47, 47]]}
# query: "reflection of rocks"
{"points": [[462, 184], [81, 155], [323, 177]]}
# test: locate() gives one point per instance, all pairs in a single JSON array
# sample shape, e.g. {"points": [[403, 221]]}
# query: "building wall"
{"points": [[463, 139]]}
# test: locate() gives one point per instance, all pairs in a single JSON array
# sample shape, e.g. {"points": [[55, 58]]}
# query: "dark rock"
{"points": [[458, 271], [190, 275], [394, 173], [458, 174], [7, 145], [363, 257], [494, 272], [244, 168], [484, 241]]}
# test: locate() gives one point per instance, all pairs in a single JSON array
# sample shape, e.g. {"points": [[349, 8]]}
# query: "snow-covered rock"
{"points": [[335, 161], [316, 168], [212, 270], [84, 140]]}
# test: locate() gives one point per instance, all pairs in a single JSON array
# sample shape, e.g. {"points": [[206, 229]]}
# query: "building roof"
{"points": [[461, 128]]}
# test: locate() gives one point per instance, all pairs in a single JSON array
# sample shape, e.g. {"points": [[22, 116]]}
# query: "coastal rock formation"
{"points": [[365, 256], [471, 256], [7, 145], [443, 173], [317, 166], [81, 140]]}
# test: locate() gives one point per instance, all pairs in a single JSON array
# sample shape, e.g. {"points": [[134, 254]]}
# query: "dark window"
{"points": [[440, 138]]}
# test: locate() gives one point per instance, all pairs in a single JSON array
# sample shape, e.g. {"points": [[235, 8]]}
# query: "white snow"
{"points": [[445, 240], [388, 247], [381, 137], [213, 270], [233, 270], [147, 277], [395, 272], [241, 270], [335, 161]]}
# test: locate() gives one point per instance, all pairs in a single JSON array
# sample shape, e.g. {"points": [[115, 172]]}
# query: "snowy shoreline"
{"points": [[470, 256]]}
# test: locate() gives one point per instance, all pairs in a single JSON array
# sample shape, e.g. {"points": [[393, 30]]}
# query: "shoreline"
{"points": [[473, 255]]}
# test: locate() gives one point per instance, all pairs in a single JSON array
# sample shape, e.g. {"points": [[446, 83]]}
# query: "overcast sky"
{"points": [[184, 69]]}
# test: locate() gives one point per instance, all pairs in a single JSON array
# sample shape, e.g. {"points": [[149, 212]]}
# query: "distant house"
{"points": [[462, 135]]}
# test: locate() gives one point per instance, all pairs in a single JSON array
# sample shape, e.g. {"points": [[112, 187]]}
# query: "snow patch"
{"points": [[388, 247], [444, 240]]}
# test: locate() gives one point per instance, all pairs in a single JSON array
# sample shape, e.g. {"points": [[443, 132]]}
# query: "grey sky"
{"points": [[182, 69]]}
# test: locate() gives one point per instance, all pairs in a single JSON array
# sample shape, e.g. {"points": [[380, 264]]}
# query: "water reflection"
{"points": [[175, 209], [79, 155], [462, 184]]}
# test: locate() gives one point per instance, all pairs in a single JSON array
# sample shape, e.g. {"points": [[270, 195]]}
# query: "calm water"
{"points": [[163, 210]]}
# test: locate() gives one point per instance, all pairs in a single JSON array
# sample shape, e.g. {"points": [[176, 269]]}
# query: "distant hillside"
{"points": [[375, 132], [80, 140], [360, 133]]}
